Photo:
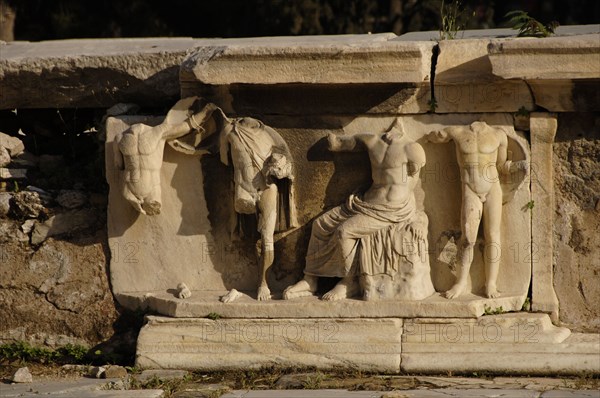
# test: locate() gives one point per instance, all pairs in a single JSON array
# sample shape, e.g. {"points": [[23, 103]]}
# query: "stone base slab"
{"points": [[521, 343], [369, 344], [578, 354], [203, 303]]}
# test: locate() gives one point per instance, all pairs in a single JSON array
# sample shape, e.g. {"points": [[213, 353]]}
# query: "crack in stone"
{"points": [[435, 52]]}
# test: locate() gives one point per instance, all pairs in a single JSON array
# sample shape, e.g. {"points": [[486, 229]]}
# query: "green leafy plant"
{"points": [[432, 105], [526, 304], [452, 19], [522, 112], [74, 351], [214, 316], [528, 26], [313, 381], [487, 310], [24, 352]]}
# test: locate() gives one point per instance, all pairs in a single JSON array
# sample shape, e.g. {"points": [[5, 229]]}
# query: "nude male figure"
{"points": [[140, 152], [481, 152], [395, 164]]}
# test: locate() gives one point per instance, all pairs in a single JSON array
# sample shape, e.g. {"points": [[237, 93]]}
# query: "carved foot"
{"points": [[231, 296], [491, 291], [456, 290], [344, 289], [263, 293], [183, 291], [306, 287]]}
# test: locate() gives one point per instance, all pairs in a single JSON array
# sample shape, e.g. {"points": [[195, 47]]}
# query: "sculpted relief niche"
{"points": [[482, 156], [262, 168], [376, 233], [441, 216]]}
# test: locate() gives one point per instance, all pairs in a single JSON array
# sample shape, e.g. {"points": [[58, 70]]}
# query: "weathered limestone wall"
{"points": [[54, 287], [577, 219]]}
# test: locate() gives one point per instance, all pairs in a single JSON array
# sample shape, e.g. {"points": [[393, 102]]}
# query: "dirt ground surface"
{"points": [[181, 384]]}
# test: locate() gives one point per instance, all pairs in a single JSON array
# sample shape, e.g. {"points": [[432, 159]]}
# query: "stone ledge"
{"points": [[201, 304], [572, 57], [91, 72], [314, 60], [464, 81]]}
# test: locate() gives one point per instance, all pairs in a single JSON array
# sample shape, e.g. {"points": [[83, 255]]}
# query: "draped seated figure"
{"points": [[377, 240]]}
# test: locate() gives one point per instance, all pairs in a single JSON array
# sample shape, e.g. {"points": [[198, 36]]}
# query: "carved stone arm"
{"points": [[349, 143]]}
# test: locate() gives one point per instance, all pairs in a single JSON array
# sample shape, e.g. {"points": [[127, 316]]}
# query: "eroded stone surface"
{"points": [[4, 157], [575, 355], [204, 303], [57, 295], [542, 130], [22, 375], [369, 344], [318, 59], [576, 241], [68, 222], [13, 145], [504, 328], [71, 199], [91, 73], [570, 57], [26, 204], [464, 81], [5, 198], [562, 72]]}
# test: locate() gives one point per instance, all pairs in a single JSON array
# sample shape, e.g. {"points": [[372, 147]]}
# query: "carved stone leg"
{"points": [[492, 217], [267, 206], [470, 218]]}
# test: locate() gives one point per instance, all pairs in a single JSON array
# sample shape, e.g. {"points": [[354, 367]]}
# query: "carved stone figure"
{"points": [[263, 179], [358, 237], [140, 153], [262, 163], [482, 155]]}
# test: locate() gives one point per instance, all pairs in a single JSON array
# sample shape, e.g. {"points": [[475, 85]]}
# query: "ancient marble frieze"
{"points": [[190, 240]]}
